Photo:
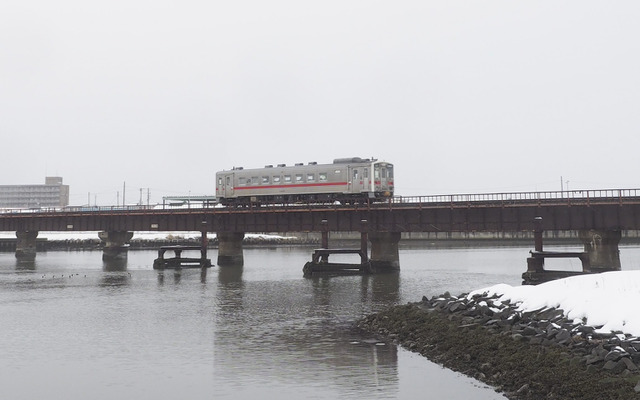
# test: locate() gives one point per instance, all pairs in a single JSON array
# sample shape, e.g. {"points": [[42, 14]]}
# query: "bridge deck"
{"points": [[500, 212]]}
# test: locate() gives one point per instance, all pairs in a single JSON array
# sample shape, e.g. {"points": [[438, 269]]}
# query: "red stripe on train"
{"points": [[298, 185]]}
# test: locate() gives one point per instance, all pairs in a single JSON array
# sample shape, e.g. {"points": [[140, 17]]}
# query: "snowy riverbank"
{"points": [[571, 338]]}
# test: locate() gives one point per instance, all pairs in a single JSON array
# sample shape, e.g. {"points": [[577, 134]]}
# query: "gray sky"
{"points": [[462, 96]]}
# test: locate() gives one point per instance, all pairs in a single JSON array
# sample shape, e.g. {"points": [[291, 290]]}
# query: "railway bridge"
{"points": [[598, 215]]}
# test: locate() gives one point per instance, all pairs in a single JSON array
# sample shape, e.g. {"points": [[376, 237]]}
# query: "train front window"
{"points": [[384, 172], [390, 171], [376, 172]]}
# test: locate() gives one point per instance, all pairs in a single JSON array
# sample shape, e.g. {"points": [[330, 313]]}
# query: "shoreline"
{"points": [[8, 244], [524, 356]]}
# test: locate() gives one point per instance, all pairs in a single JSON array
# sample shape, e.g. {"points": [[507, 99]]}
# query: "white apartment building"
{"points": [[52, 194]]}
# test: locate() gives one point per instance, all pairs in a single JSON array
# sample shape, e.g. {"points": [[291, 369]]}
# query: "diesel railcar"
{"points": [[347, 180]]}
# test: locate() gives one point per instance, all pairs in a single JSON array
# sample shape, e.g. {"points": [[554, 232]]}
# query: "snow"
{"points": [[136, 235], [609, 299]]}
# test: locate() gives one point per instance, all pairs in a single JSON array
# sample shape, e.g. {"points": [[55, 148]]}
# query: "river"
{"points": [[74, 327]]}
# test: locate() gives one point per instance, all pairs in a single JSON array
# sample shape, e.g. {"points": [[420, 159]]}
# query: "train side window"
{"points": [[322, 176], [390, 171], [228, 181], [376, 173], [337, 171], [355, 174], [287, 178], [255, 180], [265, 180], [311, 177], [366, 172], [242, 181], [276, 179], [299, 178]]}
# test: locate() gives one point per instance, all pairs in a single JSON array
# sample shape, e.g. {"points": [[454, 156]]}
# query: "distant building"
{"points": [[52, 194]]}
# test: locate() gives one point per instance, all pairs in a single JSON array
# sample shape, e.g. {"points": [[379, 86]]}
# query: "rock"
{"points": [[523, 389], [637, 388], [612, 356], [563, 336], [517, 337], [629, 364], [614, 366], [592, 359]]}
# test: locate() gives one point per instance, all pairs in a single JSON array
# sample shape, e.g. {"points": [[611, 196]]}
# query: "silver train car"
{"points": [[347, 180]]}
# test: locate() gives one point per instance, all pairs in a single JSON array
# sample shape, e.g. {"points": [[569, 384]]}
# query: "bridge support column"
{"points": [[114, 244], [230, 249], [26, 244], [602, 247], [384, 251]]}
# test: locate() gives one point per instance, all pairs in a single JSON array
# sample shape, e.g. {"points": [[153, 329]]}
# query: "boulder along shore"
{"points": [[525, 355]]}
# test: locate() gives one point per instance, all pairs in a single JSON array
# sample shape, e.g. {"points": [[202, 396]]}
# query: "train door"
{"points": [[383, 176], [225, 185], [356, 179]]}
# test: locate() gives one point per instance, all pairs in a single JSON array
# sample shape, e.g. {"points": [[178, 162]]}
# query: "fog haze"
{"points": [[463, 97]]}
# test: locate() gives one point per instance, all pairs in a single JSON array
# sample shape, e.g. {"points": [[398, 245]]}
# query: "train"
{"points": [[345, 180]]}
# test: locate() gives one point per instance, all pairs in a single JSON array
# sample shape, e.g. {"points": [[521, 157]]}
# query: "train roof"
{"points": [[349, 160]]}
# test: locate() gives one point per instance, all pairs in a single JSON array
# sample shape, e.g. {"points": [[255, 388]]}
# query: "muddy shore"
{"points": [[534, 356]]}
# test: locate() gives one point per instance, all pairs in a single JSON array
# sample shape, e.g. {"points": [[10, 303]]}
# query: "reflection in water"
{"points": [[381, 288], [278, 330], [25, 264], [114, 264], [228, 275], [115, 279], [178, 275]]}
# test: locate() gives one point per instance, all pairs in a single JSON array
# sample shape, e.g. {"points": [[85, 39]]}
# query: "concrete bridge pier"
{"points": [[230, 249], [26, 244], [114, 244], [384, 251], [602, 247]]}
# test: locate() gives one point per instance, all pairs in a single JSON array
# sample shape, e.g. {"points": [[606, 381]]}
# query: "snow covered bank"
{"points": [[608, 300], [141, 235]]}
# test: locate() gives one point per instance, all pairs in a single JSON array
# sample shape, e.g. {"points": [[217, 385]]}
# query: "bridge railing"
{"points": [[598, 196], [557, 197]]}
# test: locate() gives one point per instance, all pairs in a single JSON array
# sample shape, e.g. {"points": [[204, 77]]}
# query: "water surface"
{"points": [[74, 327]]}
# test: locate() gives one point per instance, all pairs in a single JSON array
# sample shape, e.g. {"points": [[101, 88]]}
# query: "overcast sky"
{"points": [[462, 96]]}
